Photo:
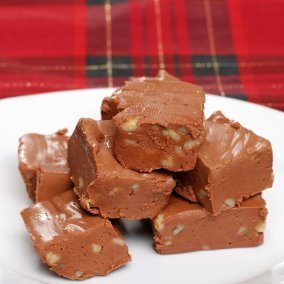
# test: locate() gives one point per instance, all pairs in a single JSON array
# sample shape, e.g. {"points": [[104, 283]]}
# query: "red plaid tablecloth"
{"points": [[231, 47]]}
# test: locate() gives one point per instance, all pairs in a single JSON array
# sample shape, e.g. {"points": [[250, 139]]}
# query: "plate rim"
{"points": [[87, 90]]}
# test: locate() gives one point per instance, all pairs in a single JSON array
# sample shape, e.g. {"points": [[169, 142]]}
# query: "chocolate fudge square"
{"points": [[43, 164], [184, 227], [103, 185], [159, 123], [73, 243], [233, 164]]}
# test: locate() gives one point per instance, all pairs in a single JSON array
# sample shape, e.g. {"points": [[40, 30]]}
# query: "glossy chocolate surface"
{"points": [[43, 164], [184, 227], [159, 123], [233, 164], [103, 185], [73, 243]]}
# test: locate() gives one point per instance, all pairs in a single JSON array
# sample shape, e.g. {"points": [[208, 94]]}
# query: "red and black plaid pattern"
{"points": [[233, 48]]}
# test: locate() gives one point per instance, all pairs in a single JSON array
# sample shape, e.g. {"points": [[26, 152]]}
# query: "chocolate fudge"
{"points": [[184, 227], [233, 164], [43, 164], [159, 123], [106, 187], [73, 243]]}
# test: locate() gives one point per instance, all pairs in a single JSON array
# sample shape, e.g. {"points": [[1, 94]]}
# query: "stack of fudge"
{"points": [[152, 156]]}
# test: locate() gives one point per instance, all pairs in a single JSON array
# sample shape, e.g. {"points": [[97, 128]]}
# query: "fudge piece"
{"points": [[159, 123], [232, 164], [103, 185], [73, 243], [183, 226], [43, 164]]}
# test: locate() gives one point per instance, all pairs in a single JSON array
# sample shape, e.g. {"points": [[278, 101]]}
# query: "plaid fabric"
{"points": [[233, 48]]}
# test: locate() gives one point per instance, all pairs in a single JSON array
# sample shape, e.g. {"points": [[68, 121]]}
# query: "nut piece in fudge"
{"points": [[159, 123], [73, 243], [232, 164], [103, 185], [43, 164], [184, 227]]}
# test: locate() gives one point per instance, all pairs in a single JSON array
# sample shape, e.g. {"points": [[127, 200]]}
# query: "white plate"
{"points": [[50, 112]]}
